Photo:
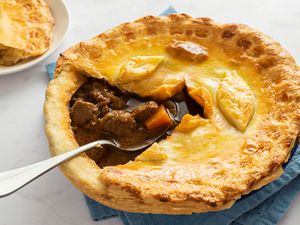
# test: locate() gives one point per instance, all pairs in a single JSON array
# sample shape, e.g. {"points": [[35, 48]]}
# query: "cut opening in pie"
{"points": [[101, 111]]}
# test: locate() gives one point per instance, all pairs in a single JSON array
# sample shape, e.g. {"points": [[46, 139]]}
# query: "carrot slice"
{"points": [[158, 119]]}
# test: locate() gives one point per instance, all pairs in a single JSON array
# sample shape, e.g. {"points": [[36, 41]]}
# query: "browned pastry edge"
{"points": [[243, 45]]}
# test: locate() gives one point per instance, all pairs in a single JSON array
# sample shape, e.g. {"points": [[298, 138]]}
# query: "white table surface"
{"points": [[52, 199]]}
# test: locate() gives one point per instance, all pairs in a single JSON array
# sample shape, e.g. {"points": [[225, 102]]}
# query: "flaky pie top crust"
{"points": [[249, 89]]}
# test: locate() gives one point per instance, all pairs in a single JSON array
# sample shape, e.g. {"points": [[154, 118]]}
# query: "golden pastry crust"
{"points": [[25, 29], [182, 178]]}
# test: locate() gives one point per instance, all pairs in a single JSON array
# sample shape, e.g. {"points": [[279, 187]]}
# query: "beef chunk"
{"points": [[97, 93], [83, 111], [100, 93], [142, 112], [119, 123], [115, 102], [103, 108], [188, 51], [98, 96]]}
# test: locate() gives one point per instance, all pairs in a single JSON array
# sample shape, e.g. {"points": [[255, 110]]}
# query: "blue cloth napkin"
{"points": [[262, 207]]}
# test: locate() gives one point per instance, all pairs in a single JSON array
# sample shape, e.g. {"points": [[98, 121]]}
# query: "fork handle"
{"points": [[13, 180]]}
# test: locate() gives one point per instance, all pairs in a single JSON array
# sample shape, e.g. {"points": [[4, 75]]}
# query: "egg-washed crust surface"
{"points": [[183, 187], [25, 29]]}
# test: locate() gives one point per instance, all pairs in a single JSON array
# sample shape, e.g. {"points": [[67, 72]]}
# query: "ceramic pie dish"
{"points": [[246, 84]]}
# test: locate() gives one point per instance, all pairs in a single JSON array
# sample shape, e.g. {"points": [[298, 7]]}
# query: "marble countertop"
{"points": [[52, 199]]}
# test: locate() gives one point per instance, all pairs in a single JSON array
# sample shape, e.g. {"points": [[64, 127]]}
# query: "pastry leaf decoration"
{"points": [[235, 100]]}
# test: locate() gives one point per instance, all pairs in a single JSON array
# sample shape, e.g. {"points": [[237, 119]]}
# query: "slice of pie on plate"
{"points": [[230, 93], [25, 30]]}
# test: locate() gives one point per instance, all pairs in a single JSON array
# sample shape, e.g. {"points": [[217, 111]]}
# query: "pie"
{"points": [[228, 94], [25, 30]]}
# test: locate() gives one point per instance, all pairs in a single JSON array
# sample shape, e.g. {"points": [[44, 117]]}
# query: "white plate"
{"points": [[61, 17]]}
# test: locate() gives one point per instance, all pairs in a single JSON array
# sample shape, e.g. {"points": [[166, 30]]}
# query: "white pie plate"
{"points": [[62, 20]]}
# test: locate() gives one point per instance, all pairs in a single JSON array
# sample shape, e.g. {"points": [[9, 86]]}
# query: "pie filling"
{"points": [[100, 111]]}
